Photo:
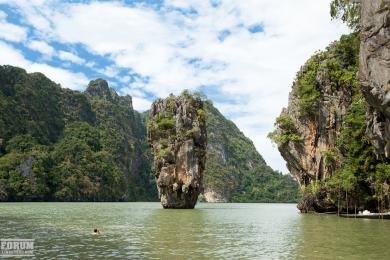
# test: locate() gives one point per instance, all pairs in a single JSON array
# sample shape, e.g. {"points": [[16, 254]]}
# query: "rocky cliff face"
{"points": [[335, 132], [100, 89], [177, 134], [316, 127], [307, 130], [374, 72], [306, 156]]}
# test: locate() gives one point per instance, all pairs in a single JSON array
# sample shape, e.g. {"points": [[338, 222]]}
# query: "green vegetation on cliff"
{"points": [[361, 179], [236, 171], [339, 62], [58, 144], [348, 11], [287, 131], [307, 87]]}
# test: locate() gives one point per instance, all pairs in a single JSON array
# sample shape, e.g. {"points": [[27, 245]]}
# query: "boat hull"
{"points": [[370, 216]]}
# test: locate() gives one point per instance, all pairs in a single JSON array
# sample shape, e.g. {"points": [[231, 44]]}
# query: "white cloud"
{"points": [[11, 56], [68, 56], [255, 71], [91, 64], [110, 71], [2, 15], [179, 3], [125, 79], [142, 104], [11, 32], [42, 47], [75, 81], [36, 13]]}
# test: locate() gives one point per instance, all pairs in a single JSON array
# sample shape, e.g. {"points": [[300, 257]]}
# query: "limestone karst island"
{"points": [[211, 129]]}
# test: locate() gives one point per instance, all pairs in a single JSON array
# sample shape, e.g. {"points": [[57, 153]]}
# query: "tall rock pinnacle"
{"points": [[177, 134]]}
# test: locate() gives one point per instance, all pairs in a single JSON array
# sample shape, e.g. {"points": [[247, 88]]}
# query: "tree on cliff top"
{"points": [[348, 11]]}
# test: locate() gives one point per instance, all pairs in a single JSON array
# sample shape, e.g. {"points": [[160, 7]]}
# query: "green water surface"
{"points": [[211, 231]]}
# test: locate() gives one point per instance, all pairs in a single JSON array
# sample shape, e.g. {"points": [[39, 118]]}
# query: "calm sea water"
{"points": [[211, 231]]}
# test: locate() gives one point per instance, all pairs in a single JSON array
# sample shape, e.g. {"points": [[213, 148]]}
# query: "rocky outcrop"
{"points": [[319, 201], [374, 72], [306, 158], [99, 88], [307, 130], [316, 129], [335, 120], [177, 134], [213, 197]]}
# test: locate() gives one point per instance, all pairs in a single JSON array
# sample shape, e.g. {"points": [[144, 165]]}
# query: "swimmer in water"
{"points": [[96, 232]]}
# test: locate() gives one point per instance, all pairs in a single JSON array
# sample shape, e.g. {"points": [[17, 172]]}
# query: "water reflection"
{"points": [[214, 231], [178, 233]]}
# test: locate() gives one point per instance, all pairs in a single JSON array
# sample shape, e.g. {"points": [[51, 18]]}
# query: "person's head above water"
{"points": [[96, 231]]}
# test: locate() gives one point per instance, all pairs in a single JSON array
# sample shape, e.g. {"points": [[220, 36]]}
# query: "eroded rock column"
{"points": [[177, 134]]}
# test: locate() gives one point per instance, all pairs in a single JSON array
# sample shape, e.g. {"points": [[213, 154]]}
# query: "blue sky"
{"points": [[243, 54]]}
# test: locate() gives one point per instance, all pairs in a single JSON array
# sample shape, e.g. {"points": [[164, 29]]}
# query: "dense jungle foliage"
{"points": [[236, 170], [58, 144]]}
